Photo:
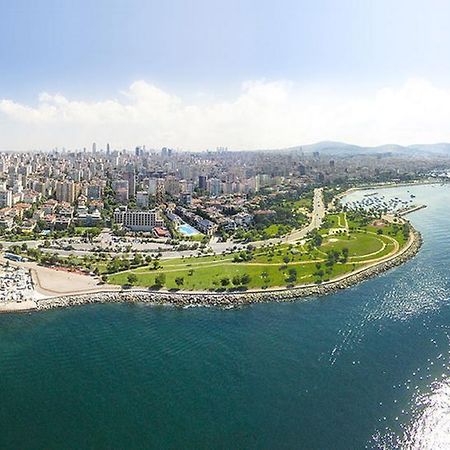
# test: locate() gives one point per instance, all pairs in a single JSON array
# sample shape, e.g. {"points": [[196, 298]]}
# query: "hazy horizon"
{"points": [[206, 74]]}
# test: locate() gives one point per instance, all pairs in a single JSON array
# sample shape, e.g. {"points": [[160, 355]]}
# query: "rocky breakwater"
{"points": [[234, 299]]}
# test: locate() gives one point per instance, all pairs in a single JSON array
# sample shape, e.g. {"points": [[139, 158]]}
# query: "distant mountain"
{"points": [[332, 147], [442, 148], [341, 148]]}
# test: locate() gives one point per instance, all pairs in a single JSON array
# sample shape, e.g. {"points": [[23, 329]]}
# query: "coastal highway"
{"points": [[317, 217]]}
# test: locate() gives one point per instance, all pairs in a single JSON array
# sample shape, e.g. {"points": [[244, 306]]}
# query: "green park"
{"points": [[344, 243]]}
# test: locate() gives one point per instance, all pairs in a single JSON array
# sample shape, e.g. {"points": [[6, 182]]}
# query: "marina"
{"points": [[383, 204]]}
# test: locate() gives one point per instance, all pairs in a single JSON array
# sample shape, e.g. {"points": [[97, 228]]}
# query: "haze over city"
{"points": [[245, 75]]}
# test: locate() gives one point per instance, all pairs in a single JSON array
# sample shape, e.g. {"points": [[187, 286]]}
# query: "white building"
{"points": [[6, 199], [214, 186], [138, 220]]}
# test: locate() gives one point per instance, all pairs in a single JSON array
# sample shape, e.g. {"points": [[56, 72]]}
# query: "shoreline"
{"points": [[388, 185], [228, 300], [116, 294]]}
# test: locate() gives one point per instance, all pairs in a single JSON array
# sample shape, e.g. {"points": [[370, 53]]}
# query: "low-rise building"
{"points": [[207, 227], [138, 220]]}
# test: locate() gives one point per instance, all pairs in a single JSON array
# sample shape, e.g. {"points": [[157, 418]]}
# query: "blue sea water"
{"points": [[364, 368]]}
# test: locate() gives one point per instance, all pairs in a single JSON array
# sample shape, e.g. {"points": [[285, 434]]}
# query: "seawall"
{"points": [[235, 299]]}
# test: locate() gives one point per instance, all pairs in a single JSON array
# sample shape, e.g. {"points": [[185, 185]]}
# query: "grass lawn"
{"points": [[357, 243], [303, 203], [274, 266], [272, 230], [93, 230], [332, 220], [209, 276]]}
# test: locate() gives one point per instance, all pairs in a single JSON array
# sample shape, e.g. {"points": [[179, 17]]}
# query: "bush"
{"points": [[160, 280], [236, 280], [132, 278], [245, 279]]}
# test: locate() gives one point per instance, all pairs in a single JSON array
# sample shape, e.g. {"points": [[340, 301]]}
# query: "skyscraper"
{"points": [[202, 182], [66, 191], [130, 176], [160, 191]]}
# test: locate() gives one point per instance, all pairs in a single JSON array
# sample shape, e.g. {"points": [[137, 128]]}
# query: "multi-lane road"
{"points": [[317, 217], [112, 245]]}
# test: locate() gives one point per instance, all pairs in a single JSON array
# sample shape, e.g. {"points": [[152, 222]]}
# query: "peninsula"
{"points": [[201, 228], [338, 247]]}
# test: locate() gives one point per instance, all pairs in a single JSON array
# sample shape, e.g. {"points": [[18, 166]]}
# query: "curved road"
{"points": [[80, 249]]}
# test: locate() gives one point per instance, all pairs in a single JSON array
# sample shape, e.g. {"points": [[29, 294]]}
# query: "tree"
{"points": [[245, 279], [236, 280], [160, 279], [320, 273], [225, 281], [179, 281], [292, 275], [316, 238], [132, 278], [345, 254], [137, 260]]}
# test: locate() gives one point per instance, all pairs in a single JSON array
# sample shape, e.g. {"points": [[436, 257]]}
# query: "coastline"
{"points": [[235, 299], [48, 299], [388, 185], [373, 186]]}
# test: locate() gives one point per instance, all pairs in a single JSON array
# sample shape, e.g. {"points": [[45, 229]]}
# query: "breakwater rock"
{"points": [[235, 299]]}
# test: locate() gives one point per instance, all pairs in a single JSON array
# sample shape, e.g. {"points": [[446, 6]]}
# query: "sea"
{"points": [[367, 367]]}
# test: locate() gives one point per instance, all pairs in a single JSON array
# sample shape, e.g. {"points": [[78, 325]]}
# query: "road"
{"points": [[112, 246], [317, 217], [316, 221]]}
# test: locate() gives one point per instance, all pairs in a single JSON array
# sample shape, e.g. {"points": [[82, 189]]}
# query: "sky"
{"points": [[244, 74]]}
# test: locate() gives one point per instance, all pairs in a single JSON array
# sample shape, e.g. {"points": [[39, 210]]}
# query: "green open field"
{"points": [[274, 266]]}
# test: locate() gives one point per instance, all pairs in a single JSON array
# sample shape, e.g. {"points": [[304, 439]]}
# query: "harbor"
{"points": [[382, 203]]}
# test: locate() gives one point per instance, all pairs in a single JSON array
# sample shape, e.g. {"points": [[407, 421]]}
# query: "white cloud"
{"points": [[262, 115]]}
